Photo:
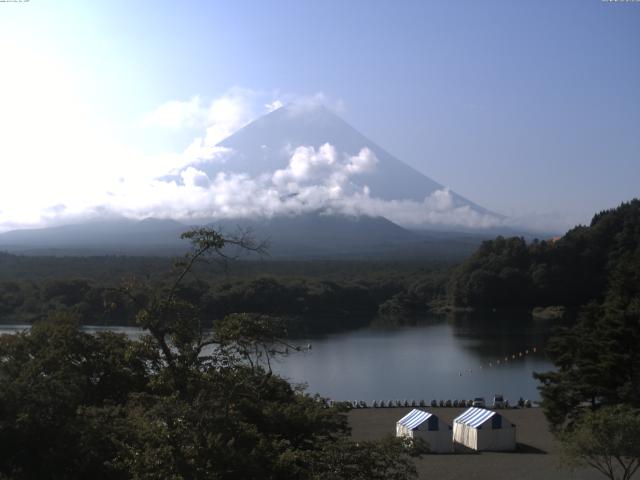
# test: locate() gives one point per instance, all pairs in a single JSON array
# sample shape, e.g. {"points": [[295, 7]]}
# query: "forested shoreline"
{"points": [[573, 270], [311, 296], [77, 404], [321, 296]]}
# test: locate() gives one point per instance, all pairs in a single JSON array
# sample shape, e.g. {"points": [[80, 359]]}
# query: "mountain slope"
{"points": [[97, 236], [319, 234], [265, 145], [313, 204], [308, 236]]}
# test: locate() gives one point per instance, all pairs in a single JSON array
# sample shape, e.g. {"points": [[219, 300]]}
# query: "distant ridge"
{"points": [[309, 236], [119, 235]]}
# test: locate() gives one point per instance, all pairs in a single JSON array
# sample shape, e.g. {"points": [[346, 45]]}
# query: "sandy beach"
{"points": [[535, 458]]}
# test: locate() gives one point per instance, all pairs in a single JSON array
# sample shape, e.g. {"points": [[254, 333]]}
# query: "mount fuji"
{"points": [[310, 154], [301, 177]]}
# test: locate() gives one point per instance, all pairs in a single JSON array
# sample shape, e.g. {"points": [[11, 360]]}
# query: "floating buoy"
{"points": [[506, 359]]}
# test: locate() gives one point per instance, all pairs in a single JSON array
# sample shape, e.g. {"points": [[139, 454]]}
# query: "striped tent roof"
{"points": [[414, 418], [474, 417]]}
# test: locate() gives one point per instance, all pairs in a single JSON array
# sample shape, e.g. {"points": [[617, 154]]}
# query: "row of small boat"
{"points": [[421, 403]]}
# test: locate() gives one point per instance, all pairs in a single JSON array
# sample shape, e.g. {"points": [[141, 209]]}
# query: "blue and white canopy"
{"points": [[474, 417], [414, 419]]}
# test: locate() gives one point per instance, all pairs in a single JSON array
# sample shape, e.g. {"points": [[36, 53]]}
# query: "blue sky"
{"points": [[531, 109]]}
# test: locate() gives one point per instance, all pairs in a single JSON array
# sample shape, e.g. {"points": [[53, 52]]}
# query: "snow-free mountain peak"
{"points": [[269, 144]]}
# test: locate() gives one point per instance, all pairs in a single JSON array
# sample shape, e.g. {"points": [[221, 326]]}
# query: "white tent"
{"points": [[481, 429], [425, 425]]}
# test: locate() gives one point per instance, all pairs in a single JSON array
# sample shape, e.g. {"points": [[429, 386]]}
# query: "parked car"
{"points": [[479, 402], [498, 400]]}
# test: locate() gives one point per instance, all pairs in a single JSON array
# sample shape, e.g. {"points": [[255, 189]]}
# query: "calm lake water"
{"points": [[439, 359]]}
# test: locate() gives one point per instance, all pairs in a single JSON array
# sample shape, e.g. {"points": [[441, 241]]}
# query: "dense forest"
{"points": [[318, 296], [74, 405], [571, 271], [597, 358], [181, 402], [314, 296]]}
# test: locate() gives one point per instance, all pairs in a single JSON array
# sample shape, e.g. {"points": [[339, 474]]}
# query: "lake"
{"points": [[441, 358]]}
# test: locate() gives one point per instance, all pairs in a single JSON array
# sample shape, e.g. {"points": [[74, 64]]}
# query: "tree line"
{"points": [[592, 398], [310, 304], [573, 270], [182, 402], [196, 398]]}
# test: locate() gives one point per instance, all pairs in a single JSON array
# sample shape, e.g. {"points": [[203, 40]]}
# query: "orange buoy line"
{"points": [[502, 361]]}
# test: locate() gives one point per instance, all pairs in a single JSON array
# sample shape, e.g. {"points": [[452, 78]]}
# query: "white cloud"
{"points": [[83, 172], [226, 115], [438, 208], [195, 178], [273, 106], [322, 166], [220, 117], [55, 153], [201, 151], [62, 160], [319, 179], [176, 114]]}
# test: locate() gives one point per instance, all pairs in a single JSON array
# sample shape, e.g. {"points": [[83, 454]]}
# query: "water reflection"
{"points": [[499, 334], [131, 332], [441, 358]]}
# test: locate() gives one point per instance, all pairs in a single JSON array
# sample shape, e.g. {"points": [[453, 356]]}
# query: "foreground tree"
{"points": [[345, 460], [58, 386], [597, 363], [607, 439], [593, 396], [185, 401]]}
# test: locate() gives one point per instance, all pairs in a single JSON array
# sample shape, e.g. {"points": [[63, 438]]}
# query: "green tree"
{"points": [[388, 459], [495, 276], [607, 440], [597, 363], [574, 270], [53, 380], [183, 402]]}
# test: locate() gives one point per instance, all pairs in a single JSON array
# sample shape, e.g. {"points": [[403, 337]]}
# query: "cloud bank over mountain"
{"points": [[300, 158], [314, 180]]}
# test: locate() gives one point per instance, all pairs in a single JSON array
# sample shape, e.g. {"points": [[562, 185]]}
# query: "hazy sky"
{"points": [[523, 107]]}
